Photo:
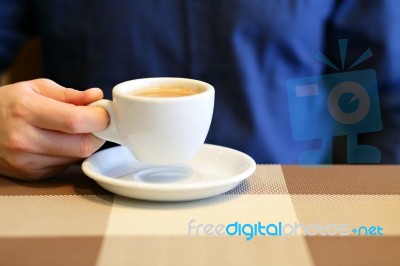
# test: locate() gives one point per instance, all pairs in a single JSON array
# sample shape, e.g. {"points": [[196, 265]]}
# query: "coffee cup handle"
{"points": [[111, 132]]}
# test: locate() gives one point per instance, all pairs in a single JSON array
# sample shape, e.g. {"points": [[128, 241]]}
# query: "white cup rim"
{"points": [[120, 90]]}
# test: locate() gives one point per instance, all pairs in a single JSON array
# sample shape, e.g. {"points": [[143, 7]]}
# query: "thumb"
{"points": [[86, 97], [51, 89]]}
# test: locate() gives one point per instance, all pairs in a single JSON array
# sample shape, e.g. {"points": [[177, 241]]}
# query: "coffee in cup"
{"points": [[160, 120], [166, 91]]}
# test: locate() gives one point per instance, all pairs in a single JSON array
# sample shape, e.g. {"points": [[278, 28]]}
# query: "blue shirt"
{"points": [[247, 50]]}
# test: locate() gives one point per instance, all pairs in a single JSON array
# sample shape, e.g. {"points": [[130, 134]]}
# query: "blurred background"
{"points": [[27, 64]]}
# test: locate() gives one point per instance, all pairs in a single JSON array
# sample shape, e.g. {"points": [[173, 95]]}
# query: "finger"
{"points": [[54, 115], [82, 97], [51, 89], [89, 96], [57, 143], [35, 167]]}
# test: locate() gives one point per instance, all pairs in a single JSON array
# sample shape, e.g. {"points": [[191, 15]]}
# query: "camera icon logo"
{"points": [[340, 104], [358, 93]]}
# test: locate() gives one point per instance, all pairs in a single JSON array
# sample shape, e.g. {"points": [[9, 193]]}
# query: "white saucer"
{"points": [[213, 171]]}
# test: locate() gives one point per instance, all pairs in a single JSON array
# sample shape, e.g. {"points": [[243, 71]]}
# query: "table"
{"points": [[70, 220]]}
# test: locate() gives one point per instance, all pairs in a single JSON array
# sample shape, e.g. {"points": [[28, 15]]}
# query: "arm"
{"points": [[44, 127], [16, 24]]}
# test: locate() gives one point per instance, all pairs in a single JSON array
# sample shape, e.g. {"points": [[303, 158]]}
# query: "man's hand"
{"points": [[45, 127]]}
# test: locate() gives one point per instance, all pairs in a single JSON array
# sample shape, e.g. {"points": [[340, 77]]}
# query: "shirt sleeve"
{"points": [[371, 25], [16, 24]]}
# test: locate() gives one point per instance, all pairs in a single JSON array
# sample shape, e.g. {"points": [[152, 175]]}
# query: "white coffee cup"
{"points": [[158, 129]]}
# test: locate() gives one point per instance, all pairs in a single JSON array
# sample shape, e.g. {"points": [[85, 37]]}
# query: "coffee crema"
{"points": [[166, 91]]}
